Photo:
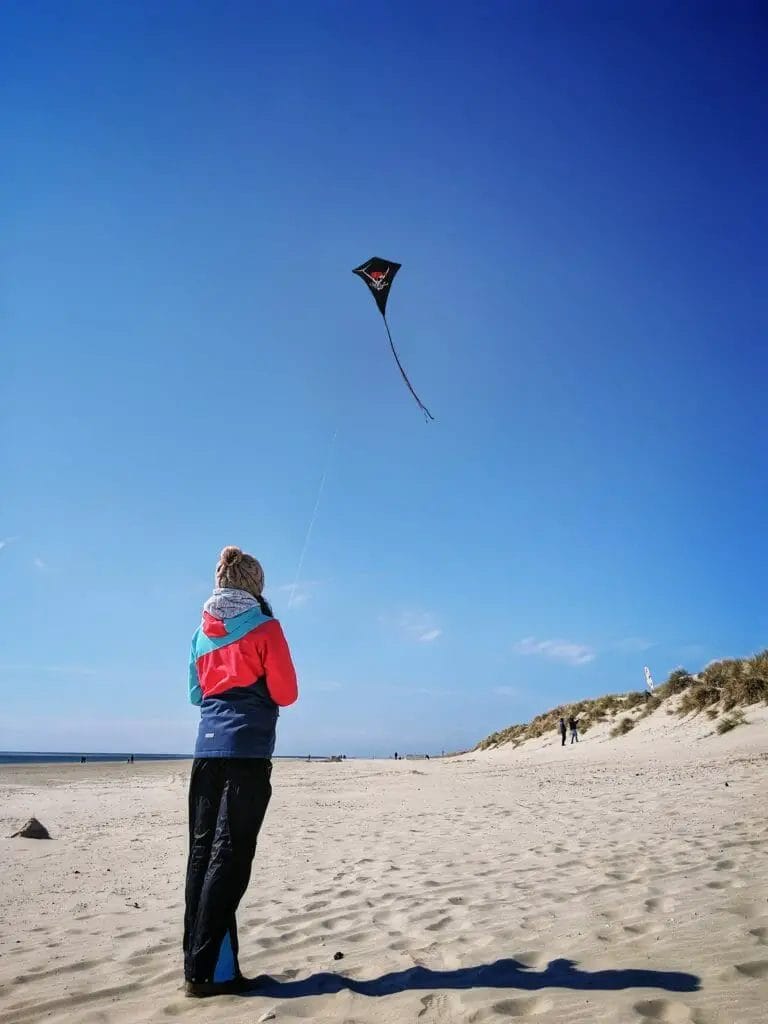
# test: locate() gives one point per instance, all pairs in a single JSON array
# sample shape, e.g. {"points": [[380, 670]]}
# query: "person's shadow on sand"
{"points": [[502, 974]]}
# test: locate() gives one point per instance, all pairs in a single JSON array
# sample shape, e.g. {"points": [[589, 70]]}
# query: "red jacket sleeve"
{"points": [[278, 665]]}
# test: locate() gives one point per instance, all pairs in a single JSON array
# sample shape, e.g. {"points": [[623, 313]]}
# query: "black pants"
{"points": [[563, 735], [228, 798]]}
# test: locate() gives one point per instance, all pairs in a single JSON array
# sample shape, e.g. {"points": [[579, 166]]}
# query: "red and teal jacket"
{"points": [[240, 674]]}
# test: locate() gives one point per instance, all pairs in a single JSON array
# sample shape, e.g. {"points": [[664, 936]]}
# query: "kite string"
{"points": [[427, 414], [312, 519]]}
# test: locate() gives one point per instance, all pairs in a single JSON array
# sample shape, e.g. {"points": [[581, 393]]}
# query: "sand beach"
{"points": [[614, 882]]}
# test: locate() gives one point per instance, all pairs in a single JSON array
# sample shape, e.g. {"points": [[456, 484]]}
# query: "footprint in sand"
{"points": [[753, 969], [433, 1004], [636, 929], [439, 925], [660, 904], [524, 1006], [725, 865], [668, 1011], [761, 934]]}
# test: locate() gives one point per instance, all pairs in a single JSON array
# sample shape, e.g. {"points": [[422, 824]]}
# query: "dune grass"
{"points": [[731, 722], [624, 726], [722, 686], [732, 683]]}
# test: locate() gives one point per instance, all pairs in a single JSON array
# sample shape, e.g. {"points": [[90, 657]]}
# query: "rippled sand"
{"points": [[617, 882]]}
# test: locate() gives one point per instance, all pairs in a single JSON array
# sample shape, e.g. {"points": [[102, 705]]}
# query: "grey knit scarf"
{"points": [[225, 603]]}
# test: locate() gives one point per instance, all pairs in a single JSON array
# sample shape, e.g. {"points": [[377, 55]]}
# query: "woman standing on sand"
{"points": [[240, 673]]}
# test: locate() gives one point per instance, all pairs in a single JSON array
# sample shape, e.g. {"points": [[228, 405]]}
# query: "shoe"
{"points": [[204, 989]]}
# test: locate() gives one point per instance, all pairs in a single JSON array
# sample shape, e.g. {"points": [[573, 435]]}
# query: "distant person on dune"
{"points": [[573, 725], [563, 731], [240, 674]]}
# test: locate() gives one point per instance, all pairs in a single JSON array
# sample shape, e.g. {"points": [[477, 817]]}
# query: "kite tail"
{"points": [[427, 414]]}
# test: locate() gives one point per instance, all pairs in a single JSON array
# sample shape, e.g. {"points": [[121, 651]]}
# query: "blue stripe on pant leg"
{"points": [[226, 965]]}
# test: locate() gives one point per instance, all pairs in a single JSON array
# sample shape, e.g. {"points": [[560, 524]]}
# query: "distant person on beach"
{"points": [[563, 731], [573, 725], [240, 674]]}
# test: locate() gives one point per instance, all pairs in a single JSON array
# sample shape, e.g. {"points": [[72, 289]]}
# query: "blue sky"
{"points": [[577, 196]]}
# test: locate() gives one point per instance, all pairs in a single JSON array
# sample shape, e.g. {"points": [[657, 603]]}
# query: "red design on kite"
{"points": [[378, 278]]}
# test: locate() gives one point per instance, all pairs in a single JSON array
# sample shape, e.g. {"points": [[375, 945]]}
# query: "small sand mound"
{"points": [[32, 830]]}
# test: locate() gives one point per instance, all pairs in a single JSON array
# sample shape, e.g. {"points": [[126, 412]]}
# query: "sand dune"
{"points": [[621, 881]]}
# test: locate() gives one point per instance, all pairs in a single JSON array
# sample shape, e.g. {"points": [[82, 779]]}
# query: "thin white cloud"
{"points": [[506, 691], [40, 565], [6, 541], [430, 636], [421, 626], [556, 650]]}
